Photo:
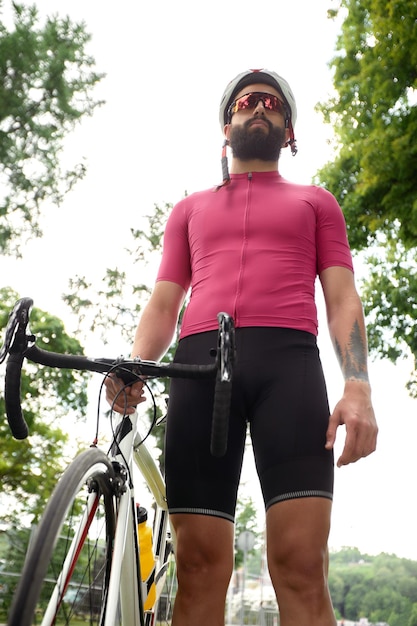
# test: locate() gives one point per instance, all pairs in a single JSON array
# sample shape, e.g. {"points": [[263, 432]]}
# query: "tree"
{"points": [[51, 399], [379, 587], [45, 89], [374, 115]]}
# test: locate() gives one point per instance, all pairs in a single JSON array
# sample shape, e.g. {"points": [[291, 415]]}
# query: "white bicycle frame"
{"points": [[124, 571], [125, 581]]}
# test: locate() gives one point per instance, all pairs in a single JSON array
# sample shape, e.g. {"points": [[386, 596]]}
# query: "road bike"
{"points": [[83, 564]]}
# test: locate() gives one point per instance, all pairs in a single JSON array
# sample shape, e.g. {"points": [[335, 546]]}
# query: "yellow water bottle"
{"points": [[147, 559]]}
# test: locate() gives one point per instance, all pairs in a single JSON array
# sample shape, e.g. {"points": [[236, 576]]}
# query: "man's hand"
{"points": [[123, 399], [355, 411]]}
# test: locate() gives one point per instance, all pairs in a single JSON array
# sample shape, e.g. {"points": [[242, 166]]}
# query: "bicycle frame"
{"points": [[126, 565], [153, 478]]}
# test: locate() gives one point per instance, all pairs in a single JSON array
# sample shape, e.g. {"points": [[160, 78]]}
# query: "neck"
{"points": [[255, 165]]}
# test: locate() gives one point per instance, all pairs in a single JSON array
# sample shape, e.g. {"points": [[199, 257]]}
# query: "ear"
{"points": [[226, 131]]}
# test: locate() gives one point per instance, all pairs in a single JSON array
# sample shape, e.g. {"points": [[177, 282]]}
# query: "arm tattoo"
{"points": [[353, 359]]}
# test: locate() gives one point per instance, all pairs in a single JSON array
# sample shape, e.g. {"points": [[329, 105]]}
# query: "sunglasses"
{"points": [[250, 101]]}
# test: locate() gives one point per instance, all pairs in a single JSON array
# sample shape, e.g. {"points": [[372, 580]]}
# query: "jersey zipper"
{"points": [[243, 250]]}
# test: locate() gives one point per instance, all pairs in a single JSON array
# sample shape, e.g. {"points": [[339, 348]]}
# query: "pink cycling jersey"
{"points": [[253, 249]]}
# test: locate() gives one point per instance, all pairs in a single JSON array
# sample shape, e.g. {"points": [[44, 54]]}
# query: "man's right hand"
{"points": [[125, 401]]}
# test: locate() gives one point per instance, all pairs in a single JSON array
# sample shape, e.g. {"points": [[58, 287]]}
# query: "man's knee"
{"points": [[204, 548], [299, 569], [297, 533]]}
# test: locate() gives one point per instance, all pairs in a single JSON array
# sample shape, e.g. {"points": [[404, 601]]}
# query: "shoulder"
{"points": [[194, 199], [322, 201], [198, 202], [314, 192]]}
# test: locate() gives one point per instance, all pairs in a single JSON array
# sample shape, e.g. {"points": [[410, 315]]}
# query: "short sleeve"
{"points": [[175, 263], [331, 234]]}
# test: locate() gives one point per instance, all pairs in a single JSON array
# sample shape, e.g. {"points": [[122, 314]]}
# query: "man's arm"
{"points": [[158, 321], [348, 334], [153, 337]]}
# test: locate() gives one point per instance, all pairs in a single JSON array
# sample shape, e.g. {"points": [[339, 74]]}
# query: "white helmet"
{"points": [[258, 76], [269, 78]]}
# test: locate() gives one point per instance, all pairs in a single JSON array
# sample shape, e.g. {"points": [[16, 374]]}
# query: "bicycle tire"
{"points": [[42, 597]]}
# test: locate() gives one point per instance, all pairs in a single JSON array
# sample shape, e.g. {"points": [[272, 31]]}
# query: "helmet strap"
{"points": [[291, 141], [225, 166]]}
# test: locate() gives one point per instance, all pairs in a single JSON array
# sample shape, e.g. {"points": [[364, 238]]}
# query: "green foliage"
{"points": [[383, 588], [51, 400], [413, 617], [390, 295], [374, 115], [45, 89]]}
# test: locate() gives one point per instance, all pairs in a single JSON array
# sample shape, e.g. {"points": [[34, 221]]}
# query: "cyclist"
{"points": [[253, 248]]}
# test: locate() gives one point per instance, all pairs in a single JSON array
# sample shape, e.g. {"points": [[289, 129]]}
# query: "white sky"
{"points": [[158, 136]]}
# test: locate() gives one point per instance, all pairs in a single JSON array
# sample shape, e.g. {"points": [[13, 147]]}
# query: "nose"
{"points": [[260, 108]]}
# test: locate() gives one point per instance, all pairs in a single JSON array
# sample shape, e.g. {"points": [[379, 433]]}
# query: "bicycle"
{"points": [[83, 565]]}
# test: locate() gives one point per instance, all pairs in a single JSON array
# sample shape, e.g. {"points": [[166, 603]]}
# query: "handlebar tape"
{"points": [[220, 421], [55, 359], [105, 365], [14, 414], [130, 375]]}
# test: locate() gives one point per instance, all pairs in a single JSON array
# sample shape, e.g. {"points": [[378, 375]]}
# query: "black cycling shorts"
{"points": [[279, 390]]}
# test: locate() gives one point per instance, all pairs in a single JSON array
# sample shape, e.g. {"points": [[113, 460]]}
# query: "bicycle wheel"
{"points": [[67, 568]]}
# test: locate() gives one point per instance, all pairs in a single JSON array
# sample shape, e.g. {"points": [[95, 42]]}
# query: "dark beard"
{"points": [[257, 143]]}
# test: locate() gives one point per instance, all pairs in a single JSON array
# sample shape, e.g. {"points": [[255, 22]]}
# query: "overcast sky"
{"points": [[158, 136]]}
